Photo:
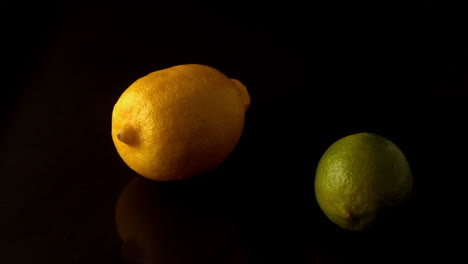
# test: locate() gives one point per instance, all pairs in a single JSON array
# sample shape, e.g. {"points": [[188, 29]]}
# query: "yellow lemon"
{"points": [[179, 122]]}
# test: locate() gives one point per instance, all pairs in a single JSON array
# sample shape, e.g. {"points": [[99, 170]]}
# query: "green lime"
{"points": [[359, 178]]}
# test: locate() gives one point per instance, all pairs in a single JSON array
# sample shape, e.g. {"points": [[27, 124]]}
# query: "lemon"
{"points": [[359, 177], [178, 122]]}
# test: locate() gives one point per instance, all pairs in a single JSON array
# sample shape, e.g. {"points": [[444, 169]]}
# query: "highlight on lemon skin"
{"points": [[179, 122]]}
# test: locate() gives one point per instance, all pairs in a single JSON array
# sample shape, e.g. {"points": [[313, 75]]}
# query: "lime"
{"points": [[360, 177]]}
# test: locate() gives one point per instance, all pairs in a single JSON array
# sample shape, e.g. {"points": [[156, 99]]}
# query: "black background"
{"points": [[315, 73]]}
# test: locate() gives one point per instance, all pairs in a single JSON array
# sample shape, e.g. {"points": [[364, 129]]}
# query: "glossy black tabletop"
{"points": [[314, 75]]}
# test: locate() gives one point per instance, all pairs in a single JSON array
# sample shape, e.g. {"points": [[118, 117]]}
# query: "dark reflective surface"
{"points": [[67, 197], [165, 223]]}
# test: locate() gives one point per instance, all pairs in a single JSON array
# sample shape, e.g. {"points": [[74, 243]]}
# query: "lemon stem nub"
{"points": [[127, 136], [243, 92]]}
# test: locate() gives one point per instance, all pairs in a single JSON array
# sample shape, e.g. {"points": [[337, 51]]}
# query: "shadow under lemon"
{"points": [[169, 222]]}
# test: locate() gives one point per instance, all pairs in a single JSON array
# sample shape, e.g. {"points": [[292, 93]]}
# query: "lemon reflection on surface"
{"points": [[159, 222]]}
